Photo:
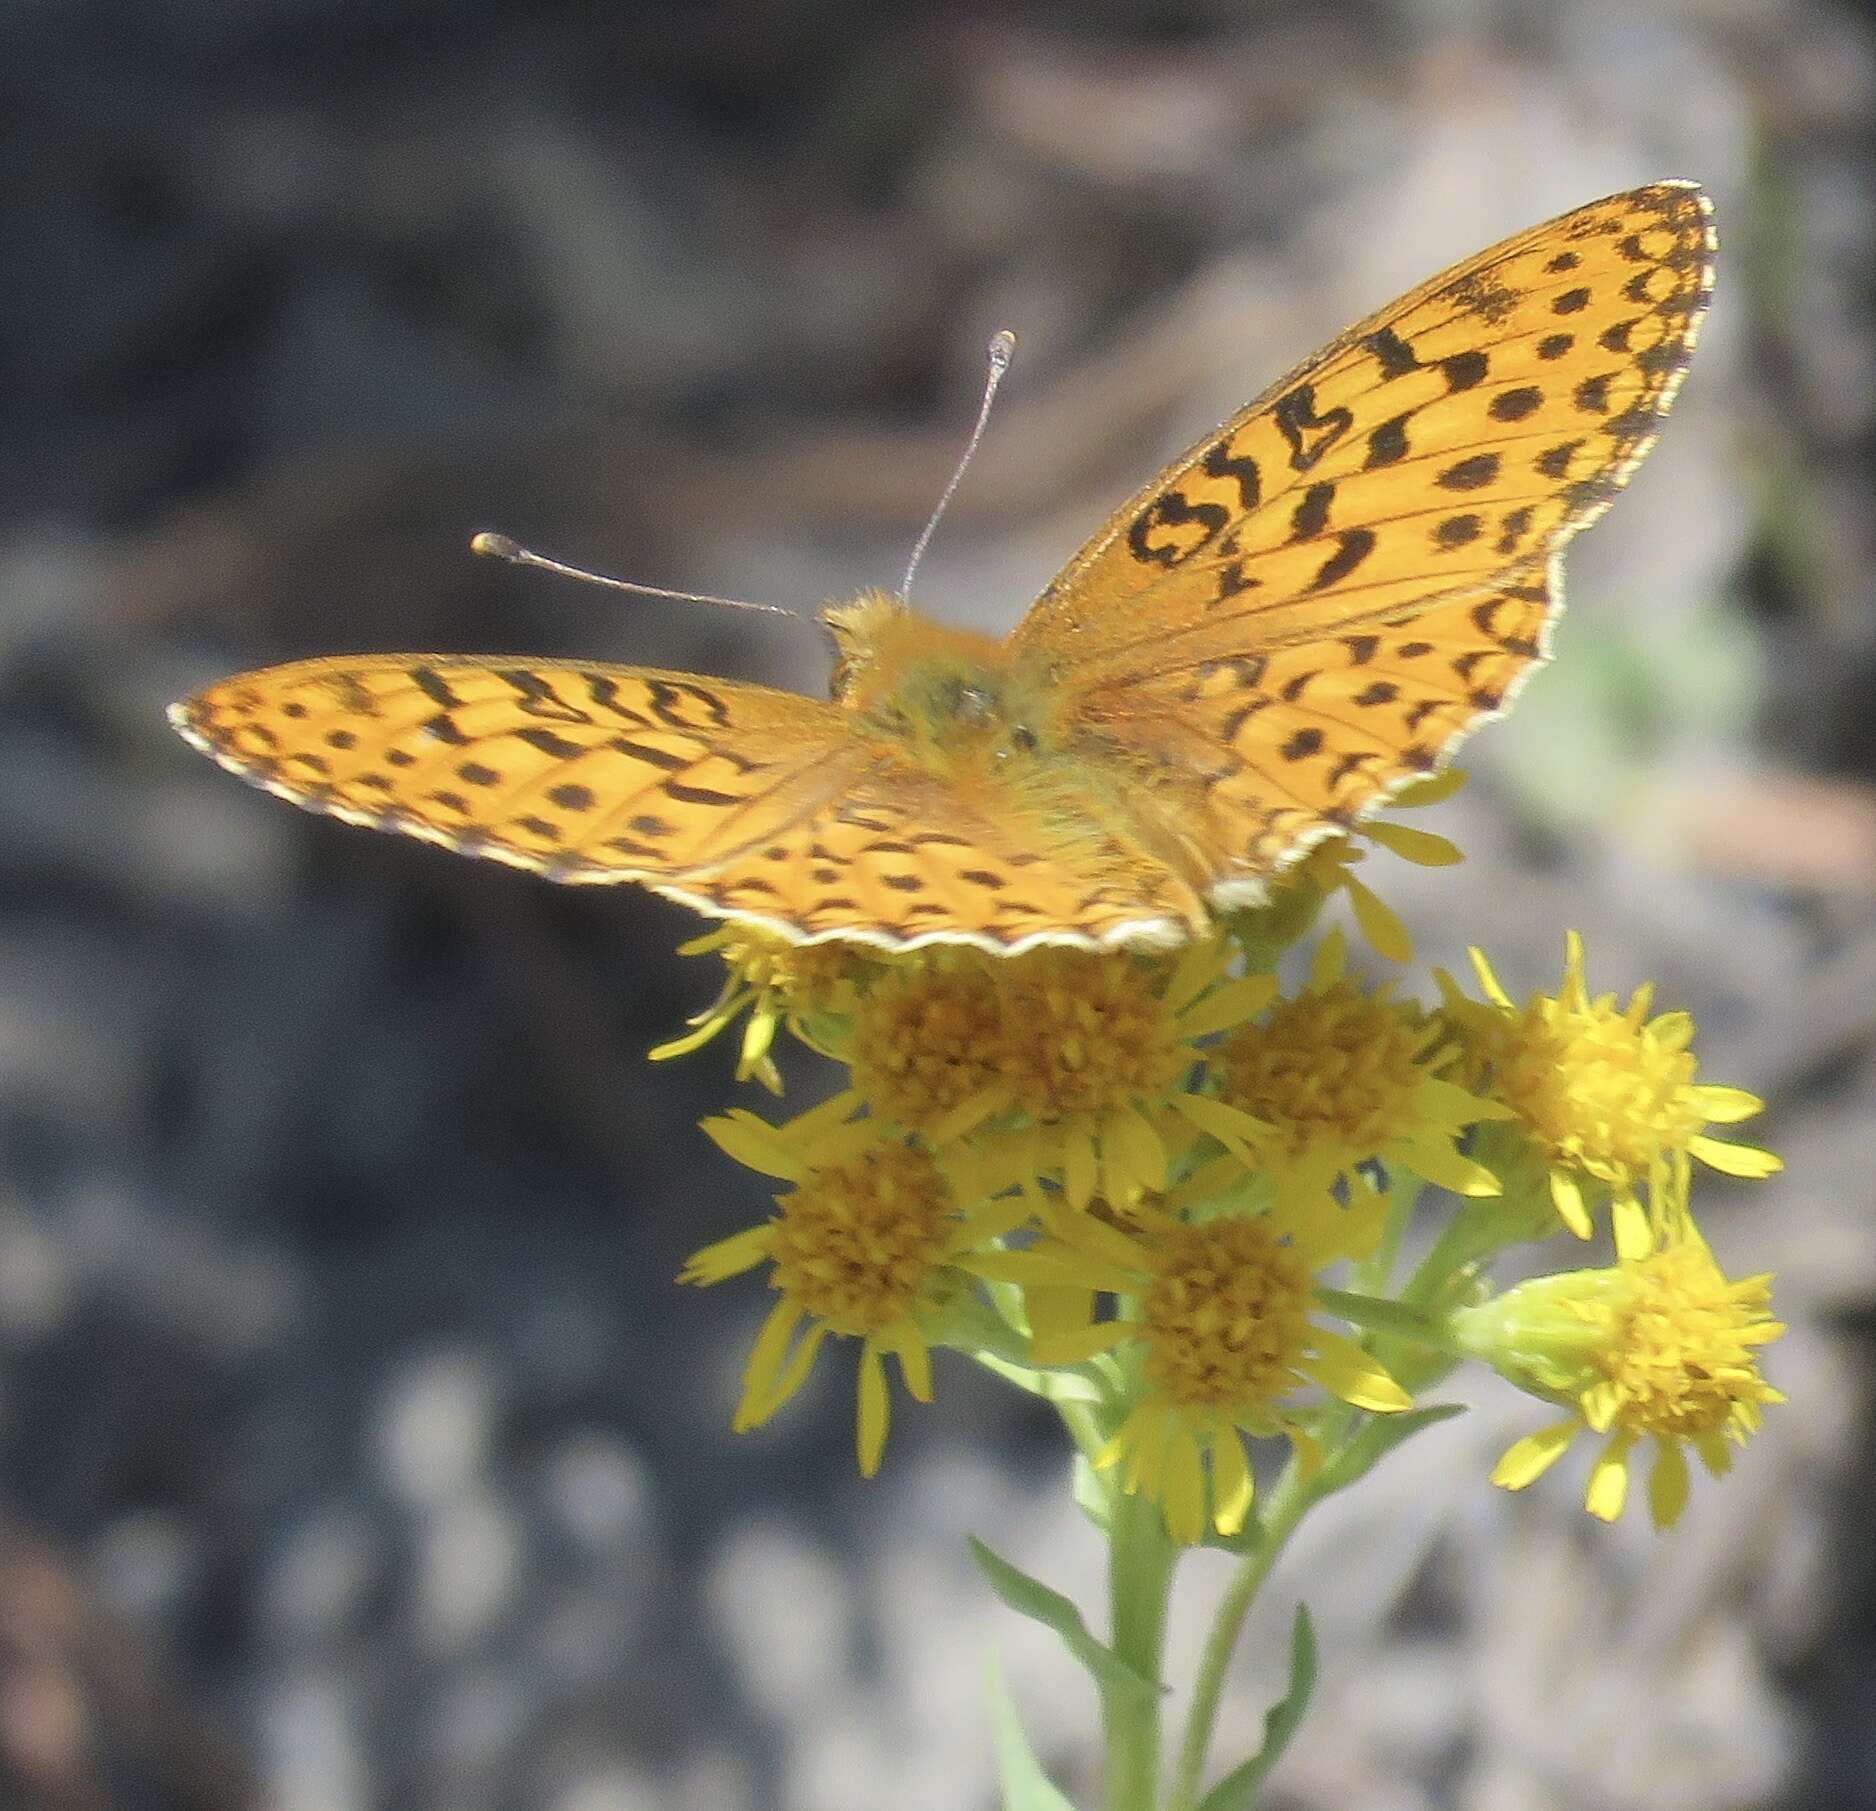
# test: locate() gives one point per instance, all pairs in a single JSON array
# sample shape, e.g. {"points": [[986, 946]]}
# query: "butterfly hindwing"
{"points": [[1286, 748]]}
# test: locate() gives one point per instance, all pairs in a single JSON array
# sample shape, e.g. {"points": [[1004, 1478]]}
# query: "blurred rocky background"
{"points": [[356, 1450]]}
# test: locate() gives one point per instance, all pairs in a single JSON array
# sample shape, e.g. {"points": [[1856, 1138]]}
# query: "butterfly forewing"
{"points": [[579, 770], [1459, 434]]}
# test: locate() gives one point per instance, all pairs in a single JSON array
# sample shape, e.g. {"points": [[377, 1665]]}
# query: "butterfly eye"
{"points": [[1023, 739]]}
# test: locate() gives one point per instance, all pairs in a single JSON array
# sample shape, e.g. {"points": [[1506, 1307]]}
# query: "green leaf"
{"points": [[1237, 1791], [1022, 1784], [1376, 1440], [1052, 1386], [1032, 1598]]}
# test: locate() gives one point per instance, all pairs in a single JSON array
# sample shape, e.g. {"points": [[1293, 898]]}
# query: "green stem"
{"points": [[1401, 1319], [1141, 1557], [1283, 1510]]}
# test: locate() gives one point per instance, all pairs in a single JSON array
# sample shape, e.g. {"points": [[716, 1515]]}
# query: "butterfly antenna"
{"points": [[500, 547], [1002, 349]]}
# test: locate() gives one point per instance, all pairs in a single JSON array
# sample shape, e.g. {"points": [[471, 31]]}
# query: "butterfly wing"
{"points": [[1320, 600], [741, 800], [1254, 760], [1463, 432]]}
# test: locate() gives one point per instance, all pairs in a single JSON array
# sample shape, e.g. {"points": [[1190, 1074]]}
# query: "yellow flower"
{"points": [[1607, 1094], [927, 1041], [1216, 1317], [1339, 1076], [777, 982], [870, 1243], [1079, 1059], [1662, 1347]]}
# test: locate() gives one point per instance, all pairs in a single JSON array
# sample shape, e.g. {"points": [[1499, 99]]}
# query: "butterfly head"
{"points": [[950, 698]]}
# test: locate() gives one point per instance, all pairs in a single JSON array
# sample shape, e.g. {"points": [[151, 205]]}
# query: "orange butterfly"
{"points": [[1301, 615]]}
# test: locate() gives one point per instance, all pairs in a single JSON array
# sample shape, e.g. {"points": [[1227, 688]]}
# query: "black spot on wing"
{"points": [[1311, 515], [1353, 546], [1515, 405], [1471, 473]]}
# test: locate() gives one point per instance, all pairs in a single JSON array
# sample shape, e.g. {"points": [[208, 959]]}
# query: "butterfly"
{"points": [[1304, 613]]}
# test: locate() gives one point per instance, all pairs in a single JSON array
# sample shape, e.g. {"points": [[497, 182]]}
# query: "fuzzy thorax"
{"points": [[950, 698]]}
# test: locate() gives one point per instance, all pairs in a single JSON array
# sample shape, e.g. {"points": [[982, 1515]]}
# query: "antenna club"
{"points": [[495, 547], [1001, 350]]}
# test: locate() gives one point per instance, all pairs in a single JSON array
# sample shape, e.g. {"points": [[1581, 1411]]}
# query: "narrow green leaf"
{"points": [[1238, 1790], [1376, 1440], [1052, 1386], [1032, 1598], [1022, 1784]]}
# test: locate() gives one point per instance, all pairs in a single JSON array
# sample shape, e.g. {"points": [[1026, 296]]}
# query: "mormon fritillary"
{"points": [[1305, 612]]}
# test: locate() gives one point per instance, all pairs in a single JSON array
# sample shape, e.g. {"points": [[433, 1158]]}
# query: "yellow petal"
{"points": [[1735, 1159], [1488, 981], [1378, 922], [875, 1410], [755, 1144], [727, 1257], [1231, 1481], [1667, 1484], [1111, 1248], [1230, 1125], [1526, 1460], [1566, 1195], [914, 1362], [772, 1342], [1433, 790], [758, 1035], [994, 1220], [966, 1116], [1228, 1005], [1345, 1370], [1195, 971], [1451, 1104], [691, 1040], [1724, 1106], [761, 1368], [1306, 1447], [1608, 1480], [1436, 1160], [1628, 1221], [1419, 846], [1132, 1145]]}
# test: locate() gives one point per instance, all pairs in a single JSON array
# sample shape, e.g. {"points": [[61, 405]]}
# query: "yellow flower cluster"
{"points": [[1141, 1182]]}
